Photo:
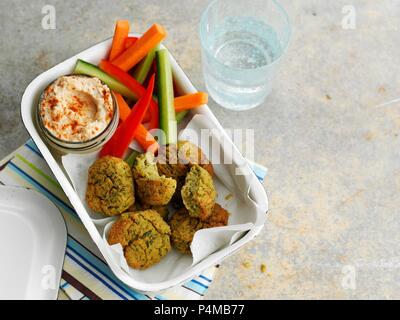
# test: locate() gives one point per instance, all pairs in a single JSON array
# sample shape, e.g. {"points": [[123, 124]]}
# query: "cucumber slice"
{"points": [[143, 68], [166, 98], [86, 68]]}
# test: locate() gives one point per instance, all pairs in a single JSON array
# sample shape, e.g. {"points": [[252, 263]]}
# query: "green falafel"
{"points": [[175, 161], [110, 187], [183, 226], [198, 193], [162, 210], [155, 192], [151, 188], [145, 167], [144, 237], [192, 154]]}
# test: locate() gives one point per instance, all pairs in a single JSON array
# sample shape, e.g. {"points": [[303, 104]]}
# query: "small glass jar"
{"points": [[92, 145]]}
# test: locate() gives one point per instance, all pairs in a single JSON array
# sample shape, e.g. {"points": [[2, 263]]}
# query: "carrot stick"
{"points": [[120, 34], [123, 107], [183, 104], [129, 41], [190, 101], [135, 53], [146, 140]]}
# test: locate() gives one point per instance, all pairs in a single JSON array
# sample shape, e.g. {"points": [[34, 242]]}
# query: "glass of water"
{"points": [[242, 45]]}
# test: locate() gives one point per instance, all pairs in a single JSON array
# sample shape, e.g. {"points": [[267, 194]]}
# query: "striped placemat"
{"points": [[85, 274]]}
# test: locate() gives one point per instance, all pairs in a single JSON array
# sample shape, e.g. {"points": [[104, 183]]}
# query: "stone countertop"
{"points": [[328, 134]]}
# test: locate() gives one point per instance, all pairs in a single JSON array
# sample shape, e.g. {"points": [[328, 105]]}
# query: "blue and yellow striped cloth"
{"points": [[85, 275]]}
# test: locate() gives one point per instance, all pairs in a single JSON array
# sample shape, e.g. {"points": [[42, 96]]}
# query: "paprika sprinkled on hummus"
{"points": [[76, 108]]}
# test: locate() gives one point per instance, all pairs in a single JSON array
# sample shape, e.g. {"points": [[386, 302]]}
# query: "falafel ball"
{"points": [[151, 188], [198, 193], [192, 154], [183, 226], [218, 218], [155, 192], [144, 236], [169, 164], [145, 166], [162, 210], [110, 187], [175, 161]]}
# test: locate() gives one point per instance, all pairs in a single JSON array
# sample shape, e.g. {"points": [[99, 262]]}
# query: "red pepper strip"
{"points": [[154, 115], [143, 137], [119, 142], [147, 117], [134, 86]]}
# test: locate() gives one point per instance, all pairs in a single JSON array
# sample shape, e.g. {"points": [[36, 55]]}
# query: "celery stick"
{"points": [[166, 98], [132, 157], [180, 115], [85, 68], [143, 68]]}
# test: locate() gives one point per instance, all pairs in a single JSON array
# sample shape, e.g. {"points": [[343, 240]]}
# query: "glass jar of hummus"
{"points": [[77, 114]]}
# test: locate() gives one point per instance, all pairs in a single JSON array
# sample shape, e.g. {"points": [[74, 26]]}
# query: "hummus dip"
{"points": [[76, 108]]}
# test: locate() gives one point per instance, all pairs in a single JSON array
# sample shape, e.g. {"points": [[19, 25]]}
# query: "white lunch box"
{"points": [[183, 86]]}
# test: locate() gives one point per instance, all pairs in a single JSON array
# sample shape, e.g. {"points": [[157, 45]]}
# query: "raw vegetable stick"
{"points": [[179, 109], [147, 117], [131, 158], [143, 137], [143, 68], [122, 77], [166, 98], [154, 116], [132, 56], [123, 107], [180, 115], [190, 101], [88, 69], [134, 86], [119, 142], [129, 41], [146, 140], [120, 34]]}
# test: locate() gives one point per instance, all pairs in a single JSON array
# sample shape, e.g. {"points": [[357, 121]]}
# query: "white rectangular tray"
{"points": [[183, 85]]}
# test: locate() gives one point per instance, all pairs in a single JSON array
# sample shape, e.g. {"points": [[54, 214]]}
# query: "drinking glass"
{"points": [[242, 46]]}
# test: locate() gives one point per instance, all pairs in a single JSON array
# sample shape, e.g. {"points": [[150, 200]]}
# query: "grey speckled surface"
{"points": [[332, 153]]}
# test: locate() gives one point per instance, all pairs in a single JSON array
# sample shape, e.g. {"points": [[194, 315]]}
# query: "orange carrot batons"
{"points": [[136, 52], [123, 107], [190, 101], [120, 34]]}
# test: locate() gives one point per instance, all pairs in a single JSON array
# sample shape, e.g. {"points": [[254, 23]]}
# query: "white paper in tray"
{"points": [[233, 195]]}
